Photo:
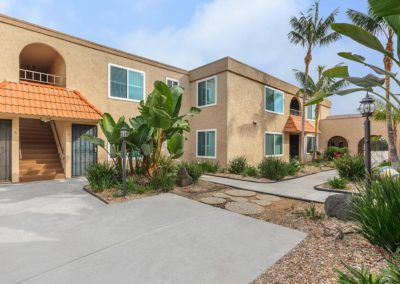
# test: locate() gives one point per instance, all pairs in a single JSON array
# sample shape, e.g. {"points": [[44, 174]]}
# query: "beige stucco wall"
{"points": [[349, 127]]}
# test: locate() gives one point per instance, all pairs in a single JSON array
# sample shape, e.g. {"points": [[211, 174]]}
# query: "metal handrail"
{"points": [[40, 77], [58, 142]]}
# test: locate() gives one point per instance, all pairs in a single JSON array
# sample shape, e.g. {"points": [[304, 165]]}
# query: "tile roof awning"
{"points": [[33, 99], [293, 125]]}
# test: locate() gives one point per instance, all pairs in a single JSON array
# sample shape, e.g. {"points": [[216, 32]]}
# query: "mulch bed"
{"points": [[330, 243], [109, 196], [351, 188]]}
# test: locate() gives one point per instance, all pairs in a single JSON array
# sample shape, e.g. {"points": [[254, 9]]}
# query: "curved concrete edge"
{"points": [[321, 188], [86, 188], [272, 181]]}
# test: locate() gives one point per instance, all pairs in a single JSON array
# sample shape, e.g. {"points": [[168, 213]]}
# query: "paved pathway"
{"points": [[300, 188], [53, 232]]}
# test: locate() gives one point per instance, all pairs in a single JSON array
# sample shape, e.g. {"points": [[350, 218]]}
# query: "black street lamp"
{"points": [[123, 134], [367, 108]]}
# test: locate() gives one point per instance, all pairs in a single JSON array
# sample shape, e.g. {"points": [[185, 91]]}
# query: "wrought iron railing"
{"points": [[40, 77], [295, 112]]}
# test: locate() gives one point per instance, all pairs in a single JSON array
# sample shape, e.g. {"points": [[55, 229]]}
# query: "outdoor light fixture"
{"points": [[123, 134], [367, 108]]}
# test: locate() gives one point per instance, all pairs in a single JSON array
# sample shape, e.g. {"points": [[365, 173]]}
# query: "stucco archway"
{"points": [[338, 141]]}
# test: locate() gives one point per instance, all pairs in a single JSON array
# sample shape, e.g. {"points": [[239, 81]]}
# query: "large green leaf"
{"points": [[360, 35], [93, 139], [384, 8], [158, 118], [350, 91], [146, 148], [175, 145], [109, 128], [337, 72], [368, 81]]}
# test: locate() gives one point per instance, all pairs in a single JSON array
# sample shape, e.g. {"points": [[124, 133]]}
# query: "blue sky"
{"points": [[188, 34]]}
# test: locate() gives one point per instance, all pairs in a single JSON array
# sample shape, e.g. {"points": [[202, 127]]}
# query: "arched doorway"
{"points": [[41, 63], [379, 149], [338, 141], [295, 107]]}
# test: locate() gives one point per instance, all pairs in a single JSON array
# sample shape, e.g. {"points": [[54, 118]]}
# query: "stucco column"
{"points": [[15, 150], [68, 149]]}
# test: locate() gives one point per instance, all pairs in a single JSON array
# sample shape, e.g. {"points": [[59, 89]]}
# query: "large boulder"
{"points": [[387, 172], [339, 206], [183, 178]]}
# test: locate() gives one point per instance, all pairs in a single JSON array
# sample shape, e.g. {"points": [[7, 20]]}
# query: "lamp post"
{"points": [[123, 134], [367, 108]]}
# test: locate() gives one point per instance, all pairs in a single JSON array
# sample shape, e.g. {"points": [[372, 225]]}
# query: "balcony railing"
{"points": [[40, 77], [295, 112]]}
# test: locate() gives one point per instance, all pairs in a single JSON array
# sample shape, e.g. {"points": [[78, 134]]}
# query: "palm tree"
{"points": [[380, 114], [310, 30], [317, 90], [377, 26]]}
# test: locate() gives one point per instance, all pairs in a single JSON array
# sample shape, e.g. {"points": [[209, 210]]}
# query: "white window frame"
{"points": [[215, 143], [315, 106], [265, 100], [216, 91], [171, 79], [265, 142], [127, 86], [310, 136]]}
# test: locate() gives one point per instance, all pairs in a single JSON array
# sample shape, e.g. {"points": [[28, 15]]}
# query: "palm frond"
{"points": [[300, 77], [330, 38], [297, 38], [371, 23]]}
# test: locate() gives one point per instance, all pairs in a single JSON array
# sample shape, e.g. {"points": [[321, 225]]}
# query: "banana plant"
{"points": [[159, 122]]}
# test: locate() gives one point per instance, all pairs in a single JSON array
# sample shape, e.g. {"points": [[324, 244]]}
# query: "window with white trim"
{"points": [[125, 83], [206, 141], [273, 144], [207, 92], [273, 100], [172, 82], [311, 112], [310, 144]]}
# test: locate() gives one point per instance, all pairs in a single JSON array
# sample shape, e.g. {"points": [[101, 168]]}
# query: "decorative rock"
{"points": [[221, 195], [240, 193], [213, 200], [262, 202], [339, 206], [245, 208], [238, 199], [183, 178], [388, 172], [270, 198]]}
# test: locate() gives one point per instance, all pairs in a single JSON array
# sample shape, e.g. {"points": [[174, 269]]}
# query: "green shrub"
{"points": [[350, 167], [385, 164], [101, 176], [338, 183], [237, 165], [250, 171], [376, 212], [133, 186], [310, 213], [293, 167], [209, 167], [194, 169], [165, 177], [273, 168], [333, 152]]}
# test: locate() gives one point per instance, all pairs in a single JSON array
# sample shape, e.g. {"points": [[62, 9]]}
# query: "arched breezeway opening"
{"points": [[338, 141], [39, 62], [295, 107]]}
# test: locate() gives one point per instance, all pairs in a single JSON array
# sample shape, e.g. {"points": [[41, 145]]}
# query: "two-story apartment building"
{"points": [[54, 87]]}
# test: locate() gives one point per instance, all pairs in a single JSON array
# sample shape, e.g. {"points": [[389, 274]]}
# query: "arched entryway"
{"points": [[39, 62], [295, 107], [379, 149], [338, 141]]}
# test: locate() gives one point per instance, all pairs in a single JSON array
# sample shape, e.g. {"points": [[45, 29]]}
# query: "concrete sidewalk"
{"points": [[298, 188], [53, 232]]}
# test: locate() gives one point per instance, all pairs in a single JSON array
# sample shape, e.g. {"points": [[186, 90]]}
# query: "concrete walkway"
{"points": [[299, 188], [53, 232]]}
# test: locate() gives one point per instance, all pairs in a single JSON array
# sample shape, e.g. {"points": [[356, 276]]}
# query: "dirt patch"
{"points": [[110, 195], [351, 187], [330, 243]]}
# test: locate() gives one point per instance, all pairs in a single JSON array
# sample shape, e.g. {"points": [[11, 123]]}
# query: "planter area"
{"points": [[351, 188]]}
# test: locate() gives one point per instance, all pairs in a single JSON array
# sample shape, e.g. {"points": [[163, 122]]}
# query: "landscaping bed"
{"points": [[350, 188], [330, 243]]}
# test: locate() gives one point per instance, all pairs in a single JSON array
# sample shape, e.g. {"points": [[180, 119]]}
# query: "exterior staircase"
{"points": [[39, 157]]}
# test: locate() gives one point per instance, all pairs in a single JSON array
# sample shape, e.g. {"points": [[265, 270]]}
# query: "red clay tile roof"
{"points": [[26, 98], [293, 125]]}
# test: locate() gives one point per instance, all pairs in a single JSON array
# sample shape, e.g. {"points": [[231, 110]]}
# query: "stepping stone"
{"points": [[221, 195], [213, 200], [262, 202], [270, 198], [240, 193], [245, 208], [238, 199]]}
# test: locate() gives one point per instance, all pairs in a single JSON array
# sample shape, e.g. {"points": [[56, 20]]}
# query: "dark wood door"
{"points": [[84, 153], [5, 150], [294, 146]]}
